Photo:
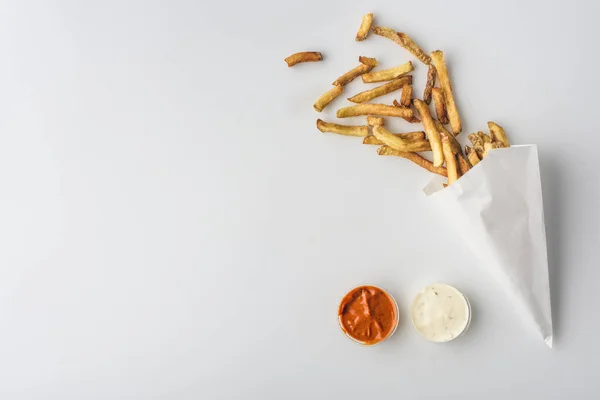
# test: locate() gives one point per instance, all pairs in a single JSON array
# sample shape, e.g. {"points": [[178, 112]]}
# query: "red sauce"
{"points": [[368, 314]]}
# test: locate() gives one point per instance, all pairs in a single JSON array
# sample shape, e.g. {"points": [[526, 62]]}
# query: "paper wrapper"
{"points": [[497, 209]]}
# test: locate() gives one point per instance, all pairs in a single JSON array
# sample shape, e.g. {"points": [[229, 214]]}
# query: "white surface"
{"points": [[173, 226]]}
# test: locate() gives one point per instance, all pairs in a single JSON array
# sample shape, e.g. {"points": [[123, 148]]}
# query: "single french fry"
{"points": [[403, 40], [382, 110], [431, 130], [413, 119], [453, 142], [414, 157], [372, 62], [440, 105], [472, 156], [498, 135], [388, 74], [463, 164], [487, 146], [410, 136], [353, 74], [398, 143], [450, 160], [382, 90], [374, 121], [437, 58], [406, 97], [365, 27], [347, 130], [477, 143], [431, 75], [304, 56], [328, 97]]}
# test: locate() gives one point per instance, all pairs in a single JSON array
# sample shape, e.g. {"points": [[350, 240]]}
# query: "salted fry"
{"points": [[487, 146], [382, 110], [440, 105], [414, 157], [372, 62], [413, 119], [410, 136], [451, 166], [463, 164], [347, 130], [403, 40], [477, 143], [354, 73], [328, 97], [304, 56], [453, 142], [431, 131], [406, 97], [388, 74], [374, 121], [399, 143], [382, 90], [498, 135], [431, 75], [472, 156], [365, 27], [438, 60]]}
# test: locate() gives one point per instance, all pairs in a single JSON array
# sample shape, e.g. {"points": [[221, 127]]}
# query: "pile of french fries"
{"points": [[447, 156]]}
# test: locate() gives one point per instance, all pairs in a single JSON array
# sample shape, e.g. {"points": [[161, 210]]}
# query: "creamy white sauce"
{"points": [[440, 313]]}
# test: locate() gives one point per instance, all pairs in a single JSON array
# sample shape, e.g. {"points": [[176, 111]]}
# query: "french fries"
{"points": [[347, 130], [414, 157], [398, 143], [463, 164], [304, 56], [382, 90], [388, 74], [410, 136], [450, 160], [437, 58], [406, 97], [366, 64], [440, 105], [413, 119], [382, 110], [431, 75], [472, 156], [497, 134], [453, 142], [372, 62], [365, 27], [477, 143], [374, 121], [403, 40], [431, 131], [328, 97]]}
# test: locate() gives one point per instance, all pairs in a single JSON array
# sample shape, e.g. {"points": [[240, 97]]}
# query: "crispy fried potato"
{"points": [[484, 138], [472, 156], [477, 143], [374, 121], [450, 160], [463, 164], [372, 62], [398, 143], [406, 97], [347, 130], [388, 74], [328, 97], [354, 73], [431, 130], [440, 105], [414, 157], [437, 58], [382, 110], [431, 75], [410, 136], [413, 119], [365, 27], [403, 40], [305, 56], [498, 135], [382, 90], [453, 142]]}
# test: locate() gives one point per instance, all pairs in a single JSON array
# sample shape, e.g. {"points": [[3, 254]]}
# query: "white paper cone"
{"points": [[497, 209]]}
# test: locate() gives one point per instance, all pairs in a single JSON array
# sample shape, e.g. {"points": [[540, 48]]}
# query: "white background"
{"points": [[173, 226]]}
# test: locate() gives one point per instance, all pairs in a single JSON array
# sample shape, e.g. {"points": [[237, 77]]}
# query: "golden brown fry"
{"points": [[487, 146], [347, 130], [328, 97], [431, 131], [374, 121], [388, 74], [406, 97], [438, 60], [477, 142], [472, 156], [397, 142], [382, 90], [365, 26], [450, 160], [498, 135], [305, 56], [431, 75], [440, 105], [382, 110], [410, 136], [353, 74], [414, 157], [372, 62], [413, 119], [453, 142], [403, 40], [463, 164]]}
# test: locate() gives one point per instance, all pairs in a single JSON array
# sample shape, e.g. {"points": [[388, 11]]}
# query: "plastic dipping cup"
{"points": [[368, 315], [440, 313]]}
